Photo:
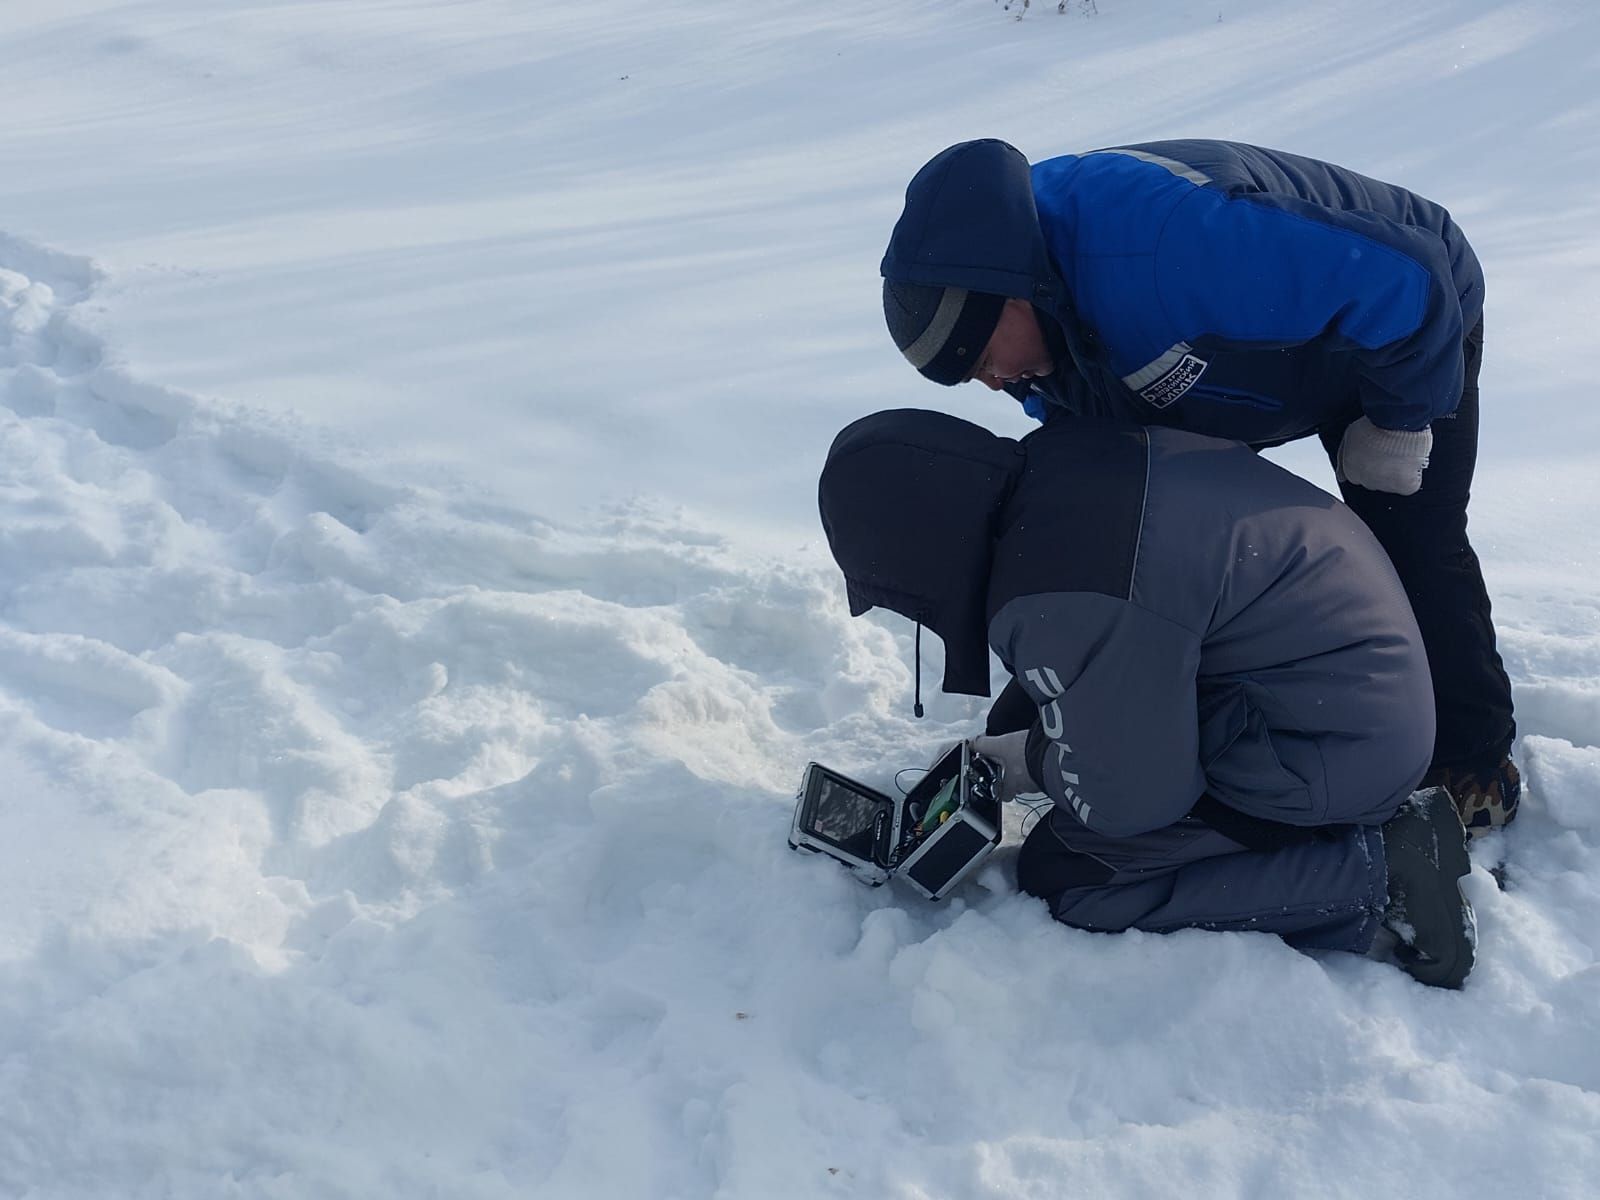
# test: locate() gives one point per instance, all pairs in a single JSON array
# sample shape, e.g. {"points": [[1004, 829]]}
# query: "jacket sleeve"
{"points": [[1272, 271], [1116, 742]]}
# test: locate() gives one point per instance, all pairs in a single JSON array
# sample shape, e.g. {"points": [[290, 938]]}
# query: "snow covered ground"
{"points": [[413, 621]]}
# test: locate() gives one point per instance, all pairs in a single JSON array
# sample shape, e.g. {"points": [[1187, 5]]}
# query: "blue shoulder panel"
{"points": [[1154, 257], [1273, 276], [1161, 259], [1102, 216]]}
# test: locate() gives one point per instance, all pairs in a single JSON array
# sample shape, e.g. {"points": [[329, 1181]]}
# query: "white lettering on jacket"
{"points": [[1054, 724]]}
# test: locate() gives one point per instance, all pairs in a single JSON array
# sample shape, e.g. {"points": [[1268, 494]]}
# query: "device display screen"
{"points": [[843, 816]]}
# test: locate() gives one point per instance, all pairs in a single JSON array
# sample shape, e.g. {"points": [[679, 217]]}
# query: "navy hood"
{"points": [[970, 222], [909, 501]]}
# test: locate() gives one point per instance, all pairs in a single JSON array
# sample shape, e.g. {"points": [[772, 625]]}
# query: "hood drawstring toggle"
{"points": [[916, 706]]}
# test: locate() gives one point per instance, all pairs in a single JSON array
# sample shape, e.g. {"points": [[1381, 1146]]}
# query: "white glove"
{"points": [[1384, 460], [1010, 750]]}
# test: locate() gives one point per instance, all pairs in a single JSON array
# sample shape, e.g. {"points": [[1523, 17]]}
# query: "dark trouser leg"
{"points": [[1321, 893], [1426, 537]]}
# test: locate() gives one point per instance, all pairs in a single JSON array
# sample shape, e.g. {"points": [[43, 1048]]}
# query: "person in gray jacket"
{"points": [[1229, 702]]}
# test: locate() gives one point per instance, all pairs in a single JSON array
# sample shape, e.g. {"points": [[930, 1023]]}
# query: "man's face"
{"points": [[1016, 349]]}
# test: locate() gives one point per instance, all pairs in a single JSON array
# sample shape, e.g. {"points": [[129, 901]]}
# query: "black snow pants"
{"points": [[1426, 537]]}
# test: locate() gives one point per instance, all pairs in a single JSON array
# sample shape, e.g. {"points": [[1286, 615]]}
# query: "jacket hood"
{"points": [[970, 221], [909, 501]]}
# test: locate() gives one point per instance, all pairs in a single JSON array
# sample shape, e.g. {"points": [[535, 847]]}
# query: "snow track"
{"points": [[272, 732], [378, 820], [362, 839]]}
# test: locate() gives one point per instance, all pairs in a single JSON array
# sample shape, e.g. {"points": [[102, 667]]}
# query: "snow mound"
{"points": [[365, 839]]}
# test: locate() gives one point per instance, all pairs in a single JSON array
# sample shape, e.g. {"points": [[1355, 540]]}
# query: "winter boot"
{"points": [[1433, 933], [1486, 798]]}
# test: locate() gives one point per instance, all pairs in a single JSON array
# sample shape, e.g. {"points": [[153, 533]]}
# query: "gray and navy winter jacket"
{"points": [[1222, 288], [1188, 617]]}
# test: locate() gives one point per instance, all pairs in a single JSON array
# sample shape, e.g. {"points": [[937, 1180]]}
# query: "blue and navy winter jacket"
{"points": [[1222, 288]]}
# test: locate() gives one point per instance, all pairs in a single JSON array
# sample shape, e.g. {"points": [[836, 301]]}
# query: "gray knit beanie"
{"points": [[941, 331]]}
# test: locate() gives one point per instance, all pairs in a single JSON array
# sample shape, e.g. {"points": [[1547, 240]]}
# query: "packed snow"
{"points": [[414, 623]]}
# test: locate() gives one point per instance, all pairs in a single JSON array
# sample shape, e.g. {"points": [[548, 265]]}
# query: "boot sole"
{"points": [[1448, 963]]}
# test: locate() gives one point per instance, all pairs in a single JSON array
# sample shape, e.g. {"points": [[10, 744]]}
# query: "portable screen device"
{"points": [[932, 837]]}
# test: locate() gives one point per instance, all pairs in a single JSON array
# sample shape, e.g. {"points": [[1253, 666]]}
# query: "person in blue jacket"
{"points": [[1228, 697], [1247, 294]]}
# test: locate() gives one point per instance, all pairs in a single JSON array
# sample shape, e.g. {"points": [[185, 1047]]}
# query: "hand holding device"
{"points": [[1010, 752]]}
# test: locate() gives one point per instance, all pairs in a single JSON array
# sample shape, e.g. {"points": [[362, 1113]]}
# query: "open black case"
{"points": [[932, 837]]}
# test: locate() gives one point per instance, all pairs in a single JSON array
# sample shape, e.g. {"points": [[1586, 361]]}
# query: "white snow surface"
{"points": [[413, 621]]}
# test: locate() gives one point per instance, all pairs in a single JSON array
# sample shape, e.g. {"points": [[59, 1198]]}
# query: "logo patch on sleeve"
{"points": [[1175, 382]]}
